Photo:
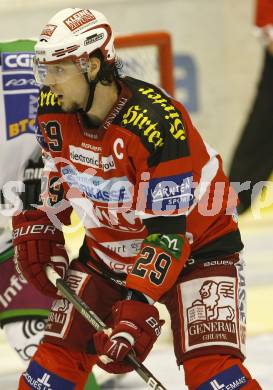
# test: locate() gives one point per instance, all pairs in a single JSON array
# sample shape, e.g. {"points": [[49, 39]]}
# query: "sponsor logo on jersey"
{"points": [[58, 313], [115, 219], [91, 147], [48, 99], [90, 134], [79, 19], [177, 128], [91, 159], [17, 61], [210, 312], [230, 379], [93, 38], [107, 163], [84, 157], [118, 107], [48, 30], [115, 265], [170, 193], [125, 248], [139, 118], [59, 318], [116, 190]]}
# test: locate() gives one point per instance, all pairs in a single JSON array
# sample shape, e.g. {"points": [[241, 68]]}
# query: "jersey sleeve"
{"points": [[164, 173], [164, 194]]}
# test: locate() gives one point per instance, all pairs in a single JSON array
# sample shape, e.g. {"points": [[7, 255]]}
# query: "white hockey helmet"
{"points": [[74, 33]]}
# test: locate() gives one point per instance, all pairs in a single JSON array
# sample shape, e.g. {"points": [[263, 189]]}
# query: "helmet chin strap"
{"points": [[92, 86]]}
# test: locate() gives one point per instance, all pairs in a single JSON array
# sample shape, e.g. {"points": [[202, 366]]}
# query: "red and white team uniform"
{"points": [[132, 176], [137, 166], [159, 215], [135, 175]]}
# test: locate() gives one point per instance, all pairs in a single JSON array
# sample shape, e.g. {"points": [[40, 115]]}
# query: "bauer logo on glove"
{"points": [[38, 244]]}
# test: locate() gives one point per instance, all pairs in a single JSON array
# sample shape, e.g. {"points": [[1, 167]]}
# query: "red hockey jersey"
{"points": [[145, 170]]}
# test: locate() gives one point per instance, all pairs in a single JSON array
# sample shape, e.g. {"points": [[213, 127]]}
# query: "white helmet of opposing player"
{"points": [[73, 33]]}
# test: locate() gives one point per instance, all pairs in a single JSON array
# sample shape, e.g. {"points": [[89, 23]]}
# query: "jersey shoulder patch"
{"points": [[152, 115]]}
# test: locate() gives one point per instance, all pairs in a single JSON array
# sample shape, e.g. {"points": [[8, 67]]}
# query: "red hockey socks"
{"points": [[57, 368], [217, 372]]}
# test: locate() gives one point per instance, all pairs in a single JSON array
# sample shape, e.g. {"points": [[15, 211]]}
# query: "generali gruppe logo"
{"points": [[79, 19], [60, 315], [210, 309]]}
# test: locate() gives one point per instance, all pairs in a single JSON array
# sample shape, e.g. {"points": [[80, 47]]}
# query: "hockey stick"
{"points": [[103, 274], [99, 325]]}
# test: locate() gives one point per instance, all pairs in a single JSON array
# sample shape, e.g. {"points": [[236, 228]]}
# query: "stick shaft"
{"points": [[99, 325]]}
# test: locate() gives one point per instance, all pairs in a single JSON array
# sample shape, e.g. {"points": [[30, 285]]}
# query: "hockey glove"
{"points": [[136, 326], [38, 243]]}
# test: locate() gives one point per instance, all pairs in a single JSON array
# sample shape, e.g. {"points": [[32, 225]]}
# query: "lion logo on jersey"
{"points": [[213, 304], [60, 305]]}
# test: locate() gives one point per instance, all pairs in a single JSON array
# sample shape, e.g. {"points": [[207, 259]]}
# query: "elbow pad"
{"points": [[158, 265]]}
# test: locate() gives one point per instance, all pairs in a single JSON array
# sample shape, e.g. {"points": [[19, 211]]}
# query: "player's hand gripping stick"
{"points": [[99, 325]]}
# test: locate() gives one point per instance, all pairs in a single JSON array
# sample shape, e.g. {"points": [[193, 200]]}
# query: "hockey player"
{"points": [[158, 213]]}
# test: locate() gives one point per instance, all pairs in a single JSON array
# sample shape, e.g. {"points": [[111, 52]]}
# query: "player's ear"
{"points": [[94, 67]]}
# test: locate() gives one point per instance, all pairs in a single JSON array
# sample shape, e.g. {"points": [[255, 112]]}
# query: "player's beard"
{"points": [[71, 108]]}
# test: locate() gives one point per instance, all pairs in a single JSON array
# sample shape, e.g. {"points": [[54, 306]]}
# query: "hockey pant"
{"points": [[208, 317], [207, 311], [66, 356]]}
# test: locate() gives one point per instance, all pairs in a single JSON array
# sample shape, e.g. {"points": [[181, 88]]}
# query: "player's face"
{"points": [[69, 84]]}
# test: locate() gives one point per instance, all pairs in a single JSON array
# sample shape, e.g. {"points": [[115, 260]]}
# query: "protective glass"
{"points": [[56, 73]]}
